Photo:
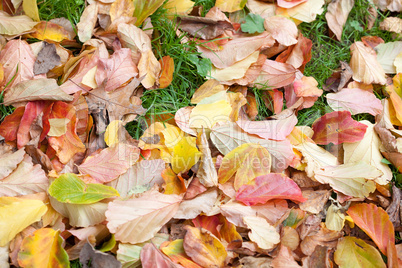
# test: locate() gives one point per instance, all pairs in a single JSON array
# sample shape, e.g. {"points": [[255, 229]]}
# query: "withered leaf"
{"points": [[47, 59], [204, 28]]}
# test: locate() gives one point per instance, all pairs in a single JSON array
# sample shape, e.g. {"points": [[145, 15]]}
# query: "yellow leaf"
{"points": [[16, 214], [236, 71], [179, 7], [237, 100], [230, 5], [209, 88], [335, 218], [204, 248], [43, 249], [211, 110], [112, 132], [398, 63], [58, 126], [46, 30], [30, 8], [248, 161], [185, 155]]}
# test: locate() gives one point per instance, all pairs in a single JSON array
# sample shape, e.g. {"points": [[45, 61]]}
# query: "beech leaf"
{"points": [[374, 221], [262, 233], [68, 188], [267, 187], [337, 127]]}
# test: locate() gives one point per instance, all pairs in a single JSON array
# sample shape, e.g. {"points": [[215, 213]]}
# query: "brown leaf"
{"points": [[282, 29], [392, 24], [204, 28], [394, 208], [152, 257], [87, 22], [339, 79], [47, 59], [316, 200], [96, 258], [284, 259], [323, 237], [275, 74]]}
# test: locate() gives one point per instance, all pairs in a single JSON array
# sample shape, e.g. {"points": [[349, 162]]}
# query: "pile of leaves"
{"points": [[211, 187]]}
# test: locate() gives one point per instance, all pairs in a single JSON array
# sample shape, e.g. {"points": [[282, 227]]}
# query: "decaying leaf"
{"points": [[337, 14]]}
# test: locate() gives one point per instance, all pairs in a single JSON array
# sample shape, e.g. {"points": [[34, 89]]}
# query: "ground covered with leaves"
{"points": [[227, 133]]}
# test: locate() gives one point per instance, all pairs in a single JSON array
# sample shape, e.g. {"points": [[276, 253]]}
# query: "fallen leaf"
{"points": [[97, 258], [335, 219], [337, 14], [315, 200], [254, 23], [87, 22], [178, 7], [26, 178], [17, 60], [38, 89], [391, 24], [230, 5], [69, 188], [149, 68], [337, 127], [323, 237], [386, 55], [374, 221], [282, 29], [202, 203], [207, 174], [175, 251], [306, 11], [151, 257], [354, 252], [46, 30], [43, 249], [12, 25], [47, 59], [354, 100], [121, 8], [10, 125], [110, 162], [272, 211], [307, 88], [267, 187], [262, 233], [270, 129], [366, 68], [229, 136], [152, 207], [143, 9], [203, 248], [17, 214], [353, 179], [275, 75], [284, 259], [167, 66], [30, 8], [368, 151]]}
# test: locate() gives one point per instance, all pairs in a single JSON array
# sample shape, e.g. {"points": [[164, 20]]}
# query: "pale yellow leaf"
{"points": [[398, 63], [364, 64], [337, 14], [262, 233], [282, 29], [89, 78], [179, 7], [306, 11], [16, 214], [386, 54], [391, 24], [30, 8], [368, 151], [335, 218], [149, 67], [230, 5], [58, 126], [11, 25], [87, 22]]}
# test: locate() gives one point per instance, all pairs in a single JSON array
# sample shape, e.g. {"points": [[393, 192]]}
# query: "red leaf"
{"points": [[374, 221], [267, 187], [32, 110], [9, 127], [337, 127], [209, 223]]}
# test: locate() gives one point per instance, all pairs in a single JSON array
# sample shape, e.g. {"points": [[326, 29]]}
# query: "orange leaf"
{"points": [[166, 77], [68, 144], [173, 184], [337, 127], [46, 30], [204, 248], [375, 222], [43, 249], [9, 127]]}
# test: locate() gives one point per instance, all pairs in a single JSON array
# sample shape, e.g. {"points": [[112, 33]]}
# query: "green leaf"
{"points": [[385, 161], [68, 188], [204, 67], [254, 24], [354, 252]]}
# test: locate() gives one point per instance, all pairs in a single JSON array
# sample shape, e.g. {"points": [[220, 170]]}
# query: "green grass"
{"points": [[69, 9]]}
